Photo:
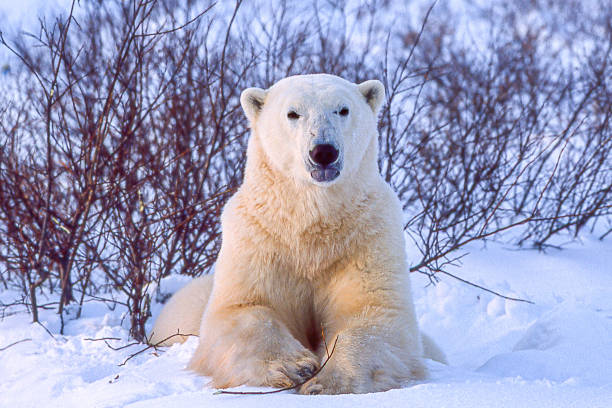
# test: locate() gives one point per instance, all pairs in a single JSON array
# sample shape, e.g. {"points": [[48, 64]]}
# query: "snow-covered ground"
{"points": [[554, 353]]}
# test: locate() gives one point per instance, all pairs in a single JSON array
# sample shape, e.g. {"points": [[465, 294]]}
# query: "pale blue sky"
{"points": [[23, 14]]}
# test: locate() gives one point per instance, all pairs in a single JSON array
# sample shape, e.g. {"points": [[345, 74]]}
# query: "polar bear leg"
{"points": [[364, 307], [431, 350], [183, 313], [250, 344]]}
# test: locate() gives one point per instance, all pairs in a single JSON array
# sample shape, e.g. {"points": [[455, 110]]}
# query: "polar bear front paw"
{"points": [[288, 372], [357, 380], [328, 381], [312, 387]]}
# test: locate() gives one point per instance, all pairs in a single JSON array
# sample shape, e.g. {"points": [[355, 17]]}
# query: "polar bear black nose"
{"points": [[324, 154]]}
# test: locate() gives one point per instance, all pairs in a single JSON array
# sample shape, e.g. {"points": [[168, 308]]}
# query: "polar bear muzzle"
{"points": [[324, 159], [324, 154]]}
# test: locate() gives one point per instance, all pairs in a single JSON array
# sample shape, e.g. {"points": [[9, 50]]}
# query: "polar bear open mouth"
{"points": [[324, 174]]}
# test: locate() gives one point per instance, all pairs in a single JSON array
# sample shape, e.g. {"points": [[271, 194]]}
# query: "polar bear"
{"points": [[312, 247]]}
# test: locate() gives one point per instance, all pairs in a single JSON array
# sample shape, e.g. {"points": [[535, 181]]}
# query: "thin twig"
{"points": [[14, 344], [154, 346], [174, 29], [324, 341], [47, 330], [102, 339], [485, 289]]}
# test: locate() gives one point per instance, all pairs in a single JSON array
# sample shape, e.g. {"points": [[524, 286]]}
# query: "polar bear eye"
{"points": [[343, 112], [293, 115]]}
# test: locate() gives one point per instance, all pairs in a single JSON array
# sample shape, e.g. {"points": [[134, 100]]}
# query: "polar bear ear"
{"points": [[374, 93], [252, 100]]}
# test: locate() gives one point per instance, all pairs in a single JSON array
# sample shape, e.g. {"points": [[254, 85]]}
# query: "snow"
{"points": [[554, 353]]}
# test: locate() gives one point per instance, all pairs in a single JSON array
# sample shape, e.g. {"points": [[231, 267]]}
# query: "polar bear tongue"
{"points": [[322, 175]]}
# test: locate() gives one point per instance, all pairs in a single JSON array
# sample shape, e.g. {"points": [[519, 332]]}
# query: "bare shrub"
{"points": [[112, 187], [500, 134], [123, 136]]}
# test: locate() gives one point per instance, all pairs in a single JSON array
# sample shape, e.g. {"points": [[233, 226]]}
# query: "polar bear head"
{"points": [[315, 128]]}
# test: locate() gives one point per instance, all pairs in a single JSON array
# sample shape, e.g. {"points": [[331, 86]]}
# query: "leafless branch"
{"points": [[14, 344]]}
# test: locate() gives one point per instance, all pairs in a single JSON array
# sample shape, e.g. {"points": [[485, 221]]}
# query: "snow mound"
{"points": [[571, 343]]}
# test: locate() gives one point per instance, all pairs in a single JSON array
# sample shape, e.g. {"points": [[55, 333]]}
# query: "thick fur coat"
{"points": [[308, 248]]}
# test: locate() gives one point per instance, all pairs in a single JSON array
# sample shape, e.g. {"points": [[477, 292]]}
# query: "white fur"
{"points": [[300, 256], [182, 313]]}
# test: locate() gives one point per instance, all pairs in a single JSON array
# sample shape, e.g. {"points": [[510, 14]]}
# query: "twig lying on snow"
{"points": [[47, 330], [292, 387], [154, 346], [14, 344], [485, 289]]}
